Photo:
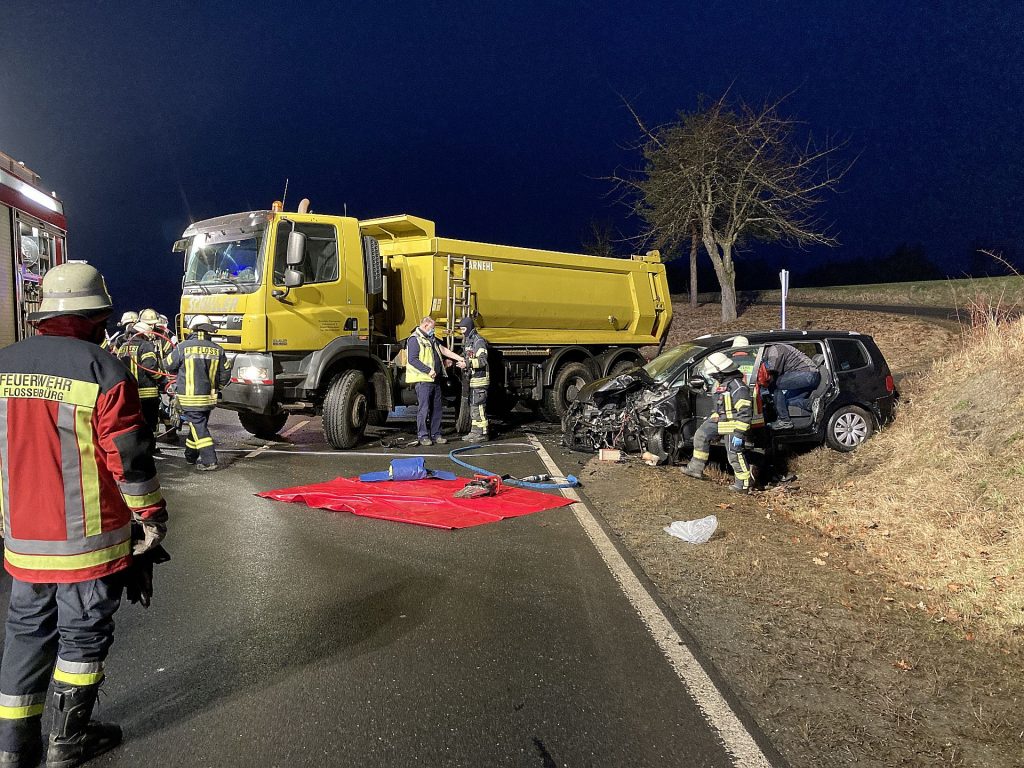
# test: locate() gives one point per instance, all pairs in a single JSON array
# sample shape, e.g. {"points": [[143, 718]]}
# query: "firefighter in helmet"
{"points": [[124, 331], [728, 422], [479, 373], [141, 355], [77, 473], [202, 369]]}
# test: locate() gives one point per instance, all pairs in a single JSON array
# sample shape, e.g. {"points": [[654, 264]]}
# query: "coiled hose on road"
{"points": [[570, 480]]}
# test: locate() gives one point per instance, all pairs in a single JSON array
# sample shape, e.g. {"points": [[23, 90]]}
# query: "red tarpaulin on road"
{"points": [[420, 502]]}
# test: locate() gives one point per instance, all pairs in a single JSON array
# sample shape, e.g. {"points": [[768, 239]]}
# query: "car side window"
{"points": [[320, 264], [745, 357], [813, 349], [849, 354]]}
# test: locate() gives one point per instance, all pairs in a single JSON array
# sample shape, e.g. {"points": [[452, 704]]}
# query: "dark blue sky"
{"points": [[494, 119]]}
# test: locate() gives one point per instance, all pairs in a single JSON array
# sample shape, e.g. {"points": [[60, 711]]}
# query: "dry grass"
{"points": [[938, 498], [931, 293], [909, 343]]}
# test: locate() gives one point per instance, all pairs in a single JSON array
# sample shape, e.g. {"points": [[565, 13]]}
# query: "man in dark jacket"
{"points": [[202, 369], [424, 369], [77, 476], [792, 374]]}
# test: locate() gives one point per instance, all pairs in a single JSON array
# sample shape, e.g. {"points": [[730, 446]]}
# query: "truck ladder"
{"points": [[457, 302]]}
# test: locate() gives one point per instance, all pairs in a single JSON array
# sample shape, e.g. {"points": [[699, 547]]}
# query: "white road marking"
{"points": [[736, 738], [288, 432]]}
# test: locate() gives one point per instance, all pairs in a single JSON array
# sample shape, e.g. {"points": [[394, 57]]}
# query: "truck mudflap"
{"points": [[252, 384]]}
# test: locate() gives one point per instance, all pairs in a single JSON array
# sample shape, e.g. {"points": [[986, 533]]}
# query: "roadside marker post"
{"points": [[784, 279]]}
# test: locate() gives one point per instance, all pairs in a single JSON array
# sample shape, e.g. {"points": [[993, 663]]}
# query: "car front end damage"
{"points": [[631, 412]]}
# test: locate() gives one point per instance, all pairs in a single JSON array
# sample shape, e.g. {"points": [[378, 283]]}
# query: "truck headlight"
{"points": [[252, 374]]}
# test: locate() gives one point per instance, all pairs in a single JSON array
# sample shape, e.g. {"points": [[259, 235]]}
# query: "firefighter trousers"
{"points": [[151, 413], [70, 624], [199, 443], [705, 436], [478, 408]]}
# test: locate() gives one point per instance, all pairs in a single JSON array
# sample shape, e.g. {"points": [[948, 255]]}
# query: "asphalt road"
{"points": [[286, 636]]}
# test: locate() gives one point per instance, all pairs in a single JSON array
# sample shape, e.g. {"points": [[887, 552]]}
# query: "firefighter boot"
{"points": [[694, 469], [739, 486], [75, 739], [476, 436], [30, 741]]}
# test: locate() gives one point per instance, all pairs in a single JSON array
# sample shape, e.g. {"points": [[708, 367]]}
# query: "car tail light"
{"points": [[890, 385]]}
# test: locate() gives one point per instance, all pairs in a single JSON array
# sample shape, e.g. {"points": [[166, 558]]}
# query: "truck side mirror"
{"points": [[296, 249], [293, 278]]}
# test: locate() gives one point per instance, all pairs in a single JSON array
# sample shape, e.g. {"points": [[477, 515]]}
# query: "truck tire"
{"points": [[265, 425], [463, 417], [622, 366], [375, 417], [567, 383], [346, 409]]}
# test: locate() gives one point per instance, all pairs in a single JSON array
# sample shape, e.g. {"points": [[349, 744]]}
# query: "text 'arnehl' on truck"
{"points": [[314, 310]]}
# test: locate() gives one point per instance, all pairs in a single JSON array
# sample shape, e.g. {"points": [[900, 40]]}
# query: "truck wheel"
{"points": [[622, 366], [375, 417], [262, 425], [463, 417], [848, 428], [570, 378], [346, 409]]}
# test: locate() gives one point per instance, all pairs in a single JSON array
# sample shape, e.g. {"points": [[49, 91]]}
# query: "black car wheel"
{"points": [[665, 445], [848, 428]]}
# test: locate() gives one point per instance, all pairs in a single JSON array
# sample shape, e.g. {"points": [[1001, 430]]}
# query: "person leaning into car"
{"points": [[792, 374]]}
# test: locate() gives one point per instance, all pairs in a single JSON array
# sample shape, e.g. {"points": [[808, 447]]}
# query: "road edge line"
{"points": [[735, 736]]}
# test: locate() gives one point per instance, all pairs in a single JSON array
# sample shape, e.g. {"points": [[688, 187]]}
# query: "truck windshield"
{"points": [[666, 364], [215, 263]]}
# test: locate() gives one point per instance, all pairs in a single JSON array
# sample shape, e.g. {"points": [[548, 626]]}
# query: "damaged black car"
{"points": [[657, 408]]}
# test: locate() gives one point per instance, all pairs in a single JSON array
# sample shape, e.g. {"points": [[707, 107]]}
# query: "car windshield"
{"points": [[224, 261], [664, 365]]}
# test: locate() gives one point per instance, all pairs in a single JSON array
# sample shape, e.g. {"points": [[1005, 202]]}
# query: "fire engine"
{"points": [[33, 238]]}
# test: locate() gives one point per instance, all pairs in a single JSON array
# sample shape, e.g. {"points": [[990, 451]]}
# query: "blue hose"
{"points": [[570, 480]]}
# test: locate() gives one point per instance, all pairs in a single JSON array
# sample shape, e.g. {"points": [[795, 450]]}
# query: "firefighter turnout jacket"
{"points": [[141, 355], [476, 361], [202, 369], [734, 406], [74, 466]]}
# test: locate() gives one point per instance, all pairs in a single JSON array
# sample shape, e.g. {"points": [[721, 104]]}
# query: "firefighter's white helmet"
{"points": [[740, 341], [717, 363], [74, 288], [129, 318], [201, 323]]}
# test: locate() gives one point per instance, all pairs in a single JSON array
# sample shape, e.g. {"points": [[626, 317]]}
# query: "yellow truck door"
{"points": [[328, 304]]}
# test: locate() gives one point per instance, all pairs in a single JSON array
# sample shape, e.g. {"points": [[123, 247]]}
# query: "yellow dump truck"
{"points": [[314, 311]]}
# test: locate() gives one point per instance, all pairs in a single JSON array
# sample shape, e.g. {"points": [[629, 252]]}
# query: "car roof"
{"points": [[781, 335]]}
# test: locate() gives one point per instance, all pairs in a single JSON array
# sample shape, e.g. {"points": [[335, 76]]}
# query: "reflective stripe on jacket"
{"points": [[74, 461], [421, 350], [141, 356], [734, 406], [202, 370], [476, 361]]}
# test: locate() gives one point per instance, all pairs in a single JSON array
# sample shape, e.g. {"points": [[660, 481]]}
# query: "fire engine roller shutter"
{"points": [[8, 333]]}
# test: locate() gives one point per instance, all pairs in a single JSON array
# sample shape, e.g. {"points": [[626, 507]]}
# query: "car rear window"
{"points": [[849, 354]]}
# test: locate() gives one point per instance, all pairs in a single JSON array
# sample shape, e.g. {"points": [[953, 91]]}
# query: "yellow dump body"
{"points": [[521, 296]]}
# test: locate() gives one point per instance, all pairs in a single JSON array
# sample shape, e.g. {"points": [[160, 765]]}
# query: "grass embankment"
{"points": [[938, 497], [954, 294]]}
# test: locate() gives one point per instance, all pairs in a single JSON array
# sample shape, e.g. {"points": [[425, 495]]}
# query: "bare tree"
{"points": [[736, 175], [693, 267], [600, 239]]}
